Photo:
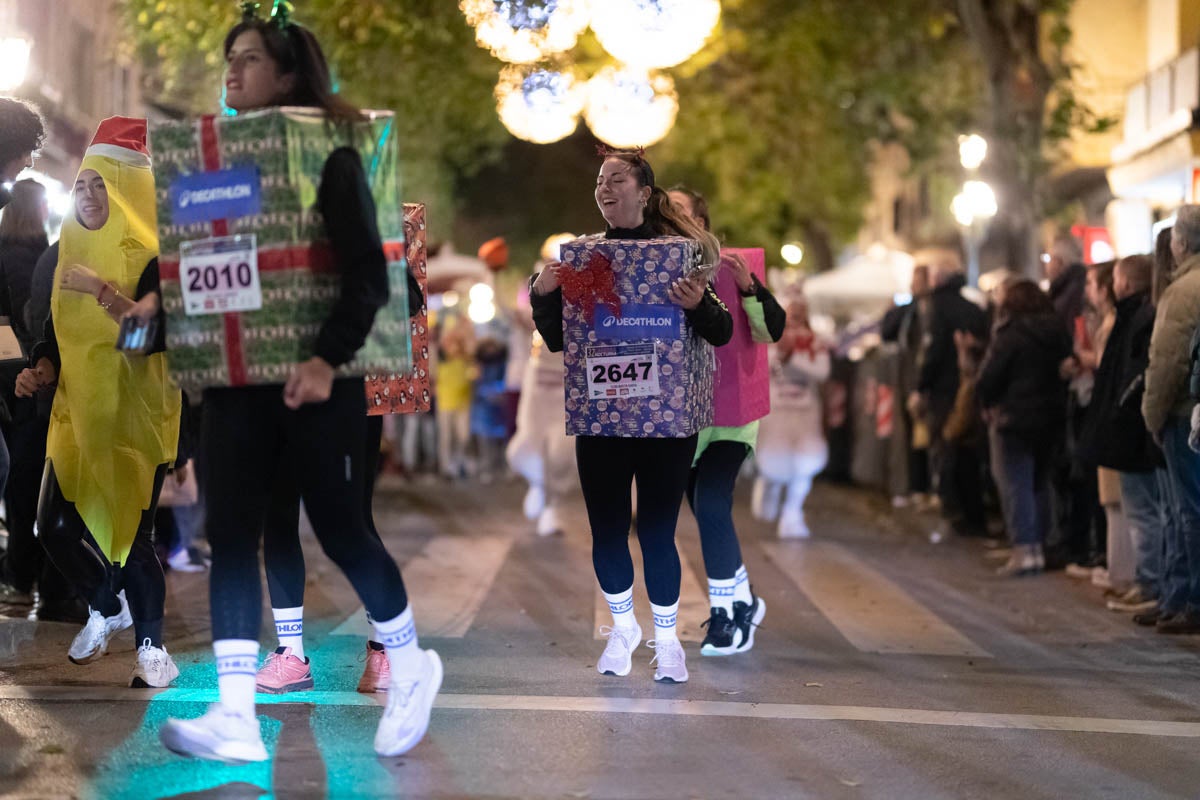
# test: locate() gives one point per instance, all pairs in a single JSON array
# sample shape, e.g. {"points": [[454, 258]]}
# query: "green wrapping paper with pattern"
{"points": [[248, 276]]}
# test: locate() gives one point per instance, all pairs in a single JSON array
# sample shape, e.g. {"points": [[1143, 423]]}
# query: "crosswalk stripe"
{"points": [[693, 601], [629, 705], [873, 613], [446, 585]]}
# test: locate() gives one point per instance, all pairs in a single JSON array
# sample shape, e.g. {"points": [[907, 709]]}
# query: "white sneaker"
{"points": [[535, 501], [670, 660], [547, 524], [222, 734], [92, 642], [617, 658], [154, 668], [410, 700], [764, 500], [181, 561], [792, 525]]}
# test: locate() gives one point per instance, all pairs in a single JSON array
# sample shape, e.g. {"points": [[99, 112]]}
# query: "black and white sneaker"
{"points": [[722, 636], [746, 617]]}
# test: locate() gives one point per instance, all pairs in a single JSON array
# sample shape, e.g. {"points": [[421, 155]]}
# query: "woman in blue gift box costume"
{"points": [[312, 428], [635, 208], [114, 426]]}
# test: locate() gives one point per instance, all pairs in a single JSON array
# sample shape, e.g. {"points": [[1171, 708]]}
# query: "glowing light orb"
{"points": [[539, 105], [524, 31], [14, 62], [654, 34], [629, 107]]}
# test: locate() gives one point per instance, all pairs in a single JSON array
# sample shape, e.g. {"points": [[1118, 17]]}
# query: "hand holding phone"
{"points": [[136, 335]]}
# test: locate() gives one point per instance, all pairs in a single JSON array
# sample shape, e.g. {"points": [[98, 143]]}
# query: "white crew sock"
{"points": [[621, 606], [237, 667], [289, 627], [741, 589], [720, 594], [399, 638], [664, 621]]}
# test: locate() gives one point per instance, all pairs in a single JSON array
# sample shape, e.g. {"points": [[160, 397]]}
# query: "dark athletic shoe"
{"points": [[721, 638], [747, 617]]}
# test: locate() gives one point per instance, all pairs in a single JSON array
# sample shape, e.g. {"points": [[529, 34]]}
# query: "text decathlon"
{"points": [[638, 322], [218, 194]]}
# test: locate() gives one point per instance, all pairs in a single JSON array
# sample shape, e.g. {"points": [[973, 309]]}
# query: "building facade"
{"points": [[1156, 165], [78, 74]]}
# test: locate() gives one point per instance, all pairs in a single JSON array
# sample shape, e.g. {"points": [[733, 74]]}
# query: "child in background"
{"points": [[489, 407], [455, 373]]}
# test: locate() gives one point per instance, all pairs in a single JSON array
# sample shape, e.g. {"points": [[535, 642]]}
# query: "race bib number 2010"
{"points": [[220, 275], [615, 371]]}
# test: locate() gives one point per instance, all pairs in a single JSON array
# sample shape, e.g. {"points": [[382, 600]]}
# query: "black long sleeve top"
{"points": [[711, 320], [774, 317]]}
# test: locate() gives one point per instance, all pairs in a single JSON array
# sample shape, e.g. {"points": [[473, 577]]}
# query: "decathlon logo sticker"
{"points": [[637, 321], [208, 196]]}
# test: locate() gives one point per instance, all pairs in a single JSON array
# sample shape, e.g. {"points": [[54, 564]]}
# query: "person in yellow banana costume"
{"points": [[114, 427]]}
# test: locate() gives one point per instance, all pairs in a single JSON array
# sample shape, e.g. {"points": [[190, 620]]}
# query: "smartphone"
{"points": [[705, 271], [136, 336]]}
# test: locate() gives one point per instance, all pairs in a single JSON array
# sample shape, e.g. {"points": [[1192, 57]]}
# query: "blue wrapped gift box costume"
{"points": [[633, 365]]}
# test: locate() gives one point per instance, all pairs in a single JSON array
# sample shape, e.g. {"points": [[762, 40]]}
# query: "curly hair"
{"points": [[21, 129]]}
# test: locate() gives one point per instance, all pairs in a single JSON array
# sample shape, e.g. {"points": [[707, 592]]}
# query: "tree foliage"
{"points": [[777, 129], [1031, 108], [415, 57]]}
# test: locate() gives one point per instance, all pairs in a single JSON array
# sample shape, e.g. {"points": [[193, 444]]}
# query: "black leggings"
{"points": [[282, 554], [710, 494], [253, 440], [76, 554], [607, 468]]}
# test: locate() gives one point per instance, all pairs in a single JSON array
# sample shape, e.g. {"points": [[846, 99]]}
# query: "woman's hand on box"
{"points": [[310, 382], [547, 279], [687, 292], [741, 272]]}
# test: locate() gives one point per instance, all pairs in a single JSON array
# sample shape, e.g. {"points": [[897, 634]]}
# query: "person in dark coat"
{"points": [[25, 421], [21, 135], [956, 464], [1024, 400], [1068, 278], [905, 325], [1115, 435]]}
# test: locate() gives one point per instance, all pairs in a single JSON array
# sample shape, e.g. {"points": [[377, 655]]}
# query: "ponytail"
{"points": [[666, 218]]}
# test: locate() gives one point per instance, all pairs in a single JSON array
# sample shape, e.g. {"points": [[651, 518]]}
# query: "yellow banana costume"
{"points": [[115, 417]]}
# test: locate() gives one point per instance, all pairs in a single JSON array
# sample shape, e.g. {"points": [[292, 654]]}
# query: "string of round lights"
{"points": [[654, 34], [525, 31], [539, 105], [629, 108]]}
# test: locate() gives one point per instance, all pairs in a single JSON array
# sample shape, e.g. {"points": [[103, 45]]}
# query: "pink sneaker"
{"points": [[282, 672], [377, 673]]}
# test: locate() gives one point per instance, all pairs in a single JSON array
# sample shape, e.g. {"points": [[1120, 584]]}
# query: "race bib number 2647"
{"points": [[622, 371]]}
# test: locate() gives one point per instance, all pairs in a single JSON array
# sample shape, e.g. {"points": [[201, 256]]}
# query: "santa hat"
{"points": [[121, 139]]}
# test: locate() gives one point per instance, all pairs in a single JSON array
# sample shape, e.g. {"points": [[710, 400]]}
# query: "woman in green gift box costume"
{"points": [[313, 428]]}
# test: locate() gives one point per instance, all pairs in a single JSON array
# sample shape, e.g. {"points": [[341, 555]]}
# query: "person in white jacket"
{"points": [[540, 451], [791, 440]]}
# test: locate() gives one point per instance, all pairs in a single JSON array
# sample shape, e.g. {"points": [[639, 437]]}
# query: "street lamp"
{"points": [[14, 62], [972, 208], [972, 150], [792, 253]]}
